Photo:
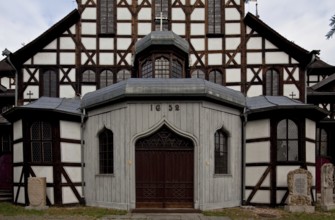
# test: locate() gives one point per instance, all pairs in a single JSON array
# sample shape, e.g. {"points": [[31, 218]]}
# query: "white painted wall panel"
{"points": [[51, 46], [261, 196], [123, 43], [258, 152], [66, 43], [44, 58], [237, 88], [70, 130], [88, 28], [124, 28], [74, 174], [232, 14], [282, 172], [233, 28], [280, 194], [254, 43], [67, 58], [250, 74], [233, 75], [178, 14], [43, 171], [66, 91], [68, 196], [310, 129], [215, 59], [291, 88], [276, 58], [232, 43], [253, 175], [18, 152], [17, 130], [197, 29], [258, 129], [50, 194], [198, 14], [89, 43], [178, 28], [34, 90], [198, 44], [70, 152], [21, 197], [106, 58], [214, 43], [310, 152], [144, 28], [89, 14], [255, 90], [106, 43], [144, 14], [86, 89], [254, 58], [123, 14], [16, 174], [269, 45]]}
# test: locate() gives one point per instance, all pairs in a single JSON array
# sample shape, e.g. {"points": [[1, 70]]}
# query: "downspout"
{"points": [[243, 131], [82, 143], [7, 53]]}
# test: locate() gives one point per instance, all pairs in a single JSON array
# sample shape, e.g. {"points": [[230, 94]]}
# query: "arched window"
{"points": [[123, 75], [215, 76], [50, 83], [198, 74], [106, 160], [162, 68], [107, 16], [41, 142], [147, 69], [214, 15], [221, 152], [272, 82], [88, 76], [106, 78], [177, 70], [287, 141], [321, 142]]}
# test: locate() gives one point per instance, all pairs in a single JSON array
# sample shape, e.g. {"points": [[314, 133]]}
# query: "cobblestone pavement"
{"points": [[130, 216]]}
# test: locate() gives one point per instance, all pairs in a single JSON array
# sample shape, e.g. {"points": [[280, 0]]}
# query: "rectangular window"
{"points": [[161, 15], [214, 16], [107, 16], [50, 83]]}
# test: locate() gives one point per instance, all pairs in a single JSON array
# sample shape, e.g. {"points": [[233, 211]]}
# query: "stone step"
{"points": [[6, 195]]}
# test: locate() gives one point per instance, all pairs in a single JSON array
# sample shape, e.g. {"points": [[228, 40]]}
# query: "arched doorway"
{"points": [[164, 170]]}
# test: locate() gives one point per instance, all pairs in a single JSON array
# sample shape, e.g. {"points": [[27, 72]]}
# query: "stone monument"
{"points": [[37, 193], [327, 186], [299, 184]]}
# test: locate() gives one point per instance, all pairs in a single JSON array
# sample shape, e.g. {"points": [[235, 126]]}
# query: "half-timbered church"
{"points": [[163, 104]]}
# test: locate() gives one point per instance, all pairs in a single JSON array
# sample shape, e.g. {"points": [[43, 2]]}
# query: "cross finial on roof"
{"points": [[292, 95], [30, 94], [161, 18]]}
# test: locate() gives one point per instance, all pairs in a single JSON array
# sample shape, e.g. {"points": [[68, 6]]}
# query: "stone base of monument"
{"points": [[328, 207], [300, 208]]}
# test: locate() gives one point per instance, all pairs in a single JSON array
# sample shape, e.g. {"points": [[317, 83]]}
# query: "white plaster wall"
{"points": [[89, 43], [178, 14], [71, 74], [233, 28], [313, 172], [88, 28], [68, 196], [67, 58], [254, 43], [198, 14], [106, 43], [232, 14], [35, 90], [269, 45], [5, 82], [70, 130], [86, 89], [67, 43], [17, 174], [237, 88], [258, 129], [289, 88], [233, 75], [295, 73], [70, 152], [144, 28], [276, 58], [282, 172], [310, 152], [124, 28], [310, 129], [123, 14], [89, 13], [197, 29], [74, 173], [144, 14], [52, 45], [178, 28], [253, 175], [123, 43], [215, 59], [255, 90], [254, 58], [258, 152], [44, 58], [43, 171], [50, 194], [18, 152], [17, 130], [280, 194], [198, 44], [26, 75], [232, 43], [21, 197], [261, 196], [66, 91], [214, 43], [106, 58]]}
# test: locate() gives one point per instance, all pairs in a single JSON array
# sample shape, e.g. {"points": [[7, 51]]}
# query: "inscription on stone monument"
{"points": [[300, 184]]}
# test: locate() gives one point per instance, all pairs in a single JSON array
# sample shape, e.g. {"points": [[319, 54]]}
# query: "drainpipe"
{"points": [[7, 53], [243, 131], [82, 143]]}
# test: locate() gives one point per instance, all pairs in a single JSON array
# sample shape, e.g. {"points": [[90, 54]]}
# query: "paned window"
{"points": [[5, 143], [106, 78], [215, 76], [162, 68], [198, 74], [272, 82], [147, 69], [321, 142], [88, 76], [107, 16], [41, 142], [221, 152], [214, 17], [50, 83], [106, 159], [177, 70], [161, 15], [287, 141], [123, 75]]}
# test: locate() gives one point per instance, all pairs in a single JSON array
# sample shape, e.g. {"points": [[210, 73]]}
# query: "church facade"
{"points": [[163, 104]]}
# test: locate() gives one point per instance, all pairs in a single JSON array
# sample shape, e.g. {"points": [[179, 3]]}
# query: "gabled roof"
{"points": [[319, 67], [300, 54], [26, 52], [188, 88]]}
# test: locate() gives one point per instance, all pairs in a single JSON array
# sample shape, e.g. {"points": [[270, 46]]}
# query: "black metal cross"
{"points": [[30, 94], [292, 95]]}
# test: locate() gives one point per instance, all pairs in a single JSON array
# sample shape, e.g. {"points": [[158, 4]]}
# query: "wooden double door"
{"points": [[164, 171]]}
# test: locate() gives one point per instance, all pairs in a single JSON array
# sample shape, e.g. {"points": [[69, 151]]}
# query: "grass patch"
{"points": [[7, 209]]}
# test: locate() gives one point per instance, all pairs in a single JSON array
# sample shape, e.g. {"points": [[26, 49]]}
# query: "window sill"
{"points": [[105, 175]]}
